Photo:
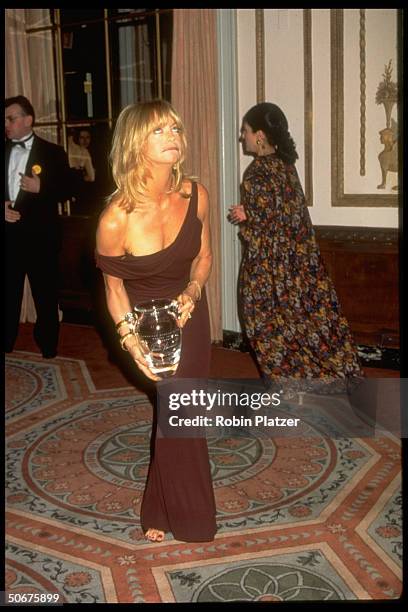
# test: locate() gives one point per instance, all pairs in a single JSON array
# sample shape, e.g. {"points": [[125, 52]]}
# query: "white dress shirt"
{"points": [[17, 163]]}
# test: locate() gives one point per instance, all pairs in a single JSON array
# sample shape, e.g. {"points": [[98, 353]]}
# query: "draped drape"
{"points": [[29, 71], [194, 95]]}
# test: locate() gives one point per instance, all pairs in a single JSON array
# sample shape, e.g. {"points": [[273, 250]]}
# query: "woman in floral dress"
{"points": [[290, 311]]}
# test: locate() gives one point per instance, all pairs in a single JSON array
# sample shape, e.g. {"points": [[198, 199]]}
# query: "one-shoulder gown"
{"points": [[179, 495]]}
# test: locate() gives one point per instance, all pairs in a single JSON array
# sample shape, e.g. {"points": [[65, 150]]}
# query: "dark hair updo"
{"points": [[271, 120]]}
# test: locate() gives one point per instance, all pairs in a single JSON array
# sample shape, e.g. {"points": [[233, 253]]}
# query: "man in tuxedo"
{"points": [[37, 178]]}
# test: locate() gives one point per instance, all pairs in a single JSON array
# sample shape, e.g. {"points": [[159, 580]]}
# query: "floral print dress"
{"points": [[289, 308]]}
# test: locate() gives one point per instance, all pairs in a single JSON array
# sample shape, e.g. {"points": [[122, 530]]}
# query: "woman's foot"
{"points": [[154, 535]]}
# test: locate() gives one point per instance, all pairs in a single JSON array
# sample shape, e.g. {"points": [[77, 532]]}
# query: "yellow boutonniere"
{"points": [[36, 169]]}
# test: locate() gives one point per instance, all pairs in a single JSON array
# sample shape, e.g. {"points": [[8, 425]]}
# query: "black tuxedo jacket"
{"points": [[39, 211]]}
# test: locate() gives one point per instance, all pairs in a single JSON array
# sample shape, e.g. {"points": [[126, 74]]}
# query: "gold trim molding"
{"points": [[260, 55], [308, 87], [362, 91], [308, 104]]}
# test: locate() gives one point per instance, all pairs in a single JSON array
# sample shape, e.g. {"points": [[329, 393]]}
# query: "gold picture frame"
{"points": [[339, 198]]}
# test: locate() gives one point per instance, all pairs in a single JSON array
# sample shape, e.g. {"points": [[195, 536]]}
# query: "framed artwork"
{"points": [[364, 107]]}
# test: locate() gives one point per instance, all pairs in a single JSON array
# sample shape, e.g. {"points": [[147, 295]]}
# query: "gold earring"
{"points": [[258, 142]]}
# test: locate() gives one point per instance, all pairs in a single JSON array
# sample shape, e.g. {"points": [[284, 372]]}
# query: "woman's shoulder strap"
{"points": [[194, 198]]}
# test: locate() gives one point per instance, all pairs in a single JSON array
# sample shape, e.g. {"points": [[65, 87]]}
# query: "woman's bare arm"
{"points": [[201, 265], [110, 238]]}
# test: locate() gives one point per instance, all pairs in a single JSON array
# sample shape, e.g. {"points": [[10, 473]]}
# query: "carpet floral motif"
{"points": [[293, 513], [30, 571], [31, 387], [263, 582]]}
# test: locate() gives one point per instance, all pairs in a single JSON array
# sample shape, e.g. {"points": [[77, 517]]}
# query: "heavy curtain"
{"points": [[194, 95], [30, 72]]}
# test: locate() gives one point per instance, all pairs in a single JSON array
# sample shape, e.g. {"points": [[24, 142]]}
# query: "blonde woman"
{"points": [[153, 241]]}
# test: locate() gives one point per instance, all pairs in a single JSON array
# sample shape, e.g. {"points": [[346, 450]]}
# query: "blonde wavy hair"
{"points": [[127, 156]]}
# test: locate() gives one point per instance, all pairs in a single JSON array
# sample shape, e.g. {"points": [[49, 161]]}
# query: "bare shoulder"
{"points": [[113, 217], [203, 201], [111, 230]]}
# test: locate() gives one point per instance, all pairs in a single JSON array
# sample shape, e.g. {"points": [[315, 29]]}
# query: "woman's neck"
{"points": [[160, 184], [268, 150]]}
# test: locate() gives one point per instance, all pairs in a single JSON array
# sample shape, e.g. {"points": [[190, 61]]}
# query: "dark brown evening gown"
{"points": [[178, 495]]}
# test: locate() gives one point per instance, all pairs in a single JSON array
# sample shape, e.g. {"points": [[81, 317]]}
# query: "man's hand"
{"points": [[10, 215], [30, 183]]}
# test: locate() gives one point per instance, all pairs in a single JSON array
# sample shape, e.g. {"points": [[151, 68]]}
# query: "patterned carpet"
{"points": [[300, 519]]}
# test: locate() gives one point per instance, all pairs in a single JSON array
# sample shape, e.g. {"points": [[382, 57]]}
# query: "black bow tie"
{"points": [[21, 143]]}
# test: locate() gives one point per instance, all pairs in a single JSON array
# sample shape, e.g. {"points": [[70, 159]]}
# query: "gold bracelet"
{"points": [[121, 324], [197, 284], [123, 340], [129, 319]]}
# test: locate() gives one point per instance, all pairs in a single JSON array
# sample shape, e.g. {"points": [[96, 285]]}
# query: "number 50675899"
{"points": [[40, 598]]}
